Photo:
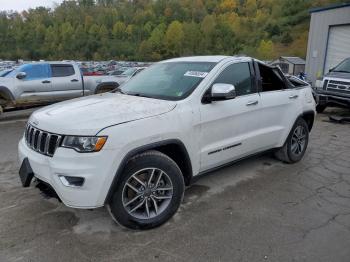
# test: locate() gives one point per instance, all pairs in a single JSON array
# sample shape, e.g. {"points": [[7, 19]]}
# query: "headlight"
{"points": [[84, 143]]}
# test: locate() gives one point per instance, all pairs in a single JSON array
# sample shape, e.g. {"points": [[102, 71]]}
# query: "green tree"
{"points": [[265, 49], [192, 36], [174, 38], [157, 29], [119, 30]]}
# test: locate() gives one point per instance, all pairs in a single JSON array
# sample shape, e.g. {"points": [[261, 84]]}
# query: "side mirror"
{"points": [[331, 69], [222, 92], [21, 75]]}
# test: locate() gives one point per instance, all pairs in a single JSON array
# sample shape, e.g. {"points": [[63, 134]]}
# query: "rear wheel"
{"points": [[149, 193], [294, 148]]}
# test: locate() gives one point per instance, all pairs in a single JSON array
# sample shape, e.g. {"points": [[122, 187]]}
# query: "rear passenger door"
{"points": [[278, 105], [66, 83]]}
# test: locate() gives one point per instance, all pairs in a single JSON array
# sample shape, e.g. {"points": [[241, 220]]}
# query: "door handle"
{"points": [[46, 82], [252, 103], [293, 96], [74, 80]]}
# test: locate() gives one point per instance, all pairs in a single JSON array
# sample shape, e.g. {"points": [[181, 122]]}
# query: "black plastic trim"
{"points": [[230, 163]]}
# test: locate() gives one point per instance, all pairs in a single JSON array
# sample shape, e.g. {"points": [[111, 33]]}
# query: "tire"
{"points": [[295, 146], [320, 108], [153, 197]]}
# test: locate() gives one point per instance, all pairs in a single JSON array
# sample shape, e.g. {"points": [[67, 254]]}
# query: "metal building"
{"points": [[329, 39]]}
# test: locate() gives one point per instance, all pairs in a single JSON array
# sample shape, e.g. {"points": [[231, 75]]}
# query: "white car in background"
{"points": [[136, 149]]}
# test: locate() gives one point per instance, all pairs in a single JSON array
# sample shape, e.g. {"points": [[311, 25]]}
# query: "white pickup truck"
{"points": [[134, 149], [47, 82]]}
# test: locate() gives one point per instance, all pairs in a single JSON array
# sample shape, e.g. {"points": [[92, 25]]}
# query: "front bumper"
{"points": [[328, 98], [97, 169]]}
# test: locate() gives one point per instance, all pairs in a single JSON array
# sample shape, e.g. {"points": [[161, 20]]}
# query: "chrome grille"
{"points": [[41, 141], [338, 86]]}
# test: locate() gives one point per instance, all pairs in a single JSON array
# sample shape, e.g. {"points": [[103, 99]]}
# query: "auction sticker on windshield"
{"points": [[196, 74]]}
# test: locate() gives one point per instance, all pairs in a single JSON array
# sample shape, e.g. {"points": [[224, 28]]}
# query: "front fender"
{"points": [[144, 148]]}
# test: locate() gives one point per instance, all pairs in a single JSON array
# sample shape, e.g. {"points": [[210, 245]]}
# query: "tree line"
{"points": [[150, 30]]}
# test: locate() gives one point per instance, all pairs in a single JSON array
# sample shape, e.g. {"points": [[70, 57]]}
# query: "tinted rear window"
{"points": [[62, 70]]}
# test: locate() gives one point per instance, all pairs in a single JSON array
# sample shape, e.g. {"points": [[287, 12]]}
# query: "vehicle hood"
{"points": [[88, 115], [338, 75]]}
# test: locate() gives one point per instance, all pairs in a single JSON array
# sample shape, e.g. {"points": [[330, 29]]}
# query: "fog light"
{"points": [[71, 181]]}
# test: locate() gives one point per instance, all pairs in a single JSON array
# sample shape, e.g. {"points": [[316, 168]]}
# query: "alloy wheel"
{"points": [[147, 193], [298, 140]]}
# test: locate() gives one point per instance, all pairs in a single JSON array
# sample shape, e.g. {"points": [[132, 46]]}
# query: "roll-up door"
{"points": [[338, 46]]}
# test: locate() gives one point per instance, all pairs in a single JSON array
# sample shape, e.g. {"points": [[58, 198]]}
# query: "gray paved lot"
{"points": [[256, 210]]}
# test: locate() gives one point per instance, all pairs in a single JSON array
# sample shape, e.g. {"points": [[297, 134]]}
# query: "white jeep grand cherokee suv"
{"points": [[136, 148]]}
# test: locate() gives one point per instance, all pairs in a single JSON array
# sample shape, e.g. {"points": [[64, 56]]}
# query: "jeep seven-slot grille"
{"points": [[41, 141], [338, 86]]}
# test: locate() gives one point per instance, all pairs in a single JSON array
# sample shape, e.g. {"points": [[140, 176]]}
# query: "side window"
{"points": [[238, 75], [62, 70], [38, 71], [271, 79]]}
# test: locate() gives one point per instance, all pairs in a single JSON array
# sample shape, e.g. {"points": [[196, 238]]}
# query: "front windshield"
{"points": [[343, 66], [128, 72], [169, 80]]}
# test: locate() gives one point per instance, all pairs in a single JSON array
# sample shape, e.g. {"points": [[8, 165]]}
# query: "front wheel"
{"points": [[294, 148], [149, 192]]}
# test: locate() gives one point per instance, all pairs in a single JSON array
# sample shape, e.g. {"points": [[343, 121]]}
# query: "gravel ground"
{"points": [[256, 210]]}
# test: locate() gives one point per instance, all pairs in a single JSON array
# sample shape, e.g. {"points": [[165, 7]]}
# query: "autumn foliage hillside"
{"points": [[151, 30]]}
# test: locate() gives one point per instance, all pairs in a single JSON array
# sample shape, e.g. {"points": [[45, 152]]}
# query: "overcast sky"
{"points": [[20, 5]]}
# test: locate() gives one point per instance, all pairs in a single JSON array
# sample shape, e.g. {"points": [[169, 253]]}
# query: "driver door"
{"points": [[230, 129], [36, 85]]}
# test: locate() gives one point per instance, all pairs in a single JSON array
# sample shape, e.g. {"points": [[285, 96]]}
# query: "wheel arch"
{"points": [[309, 117], [173, 148], [6, 94]]}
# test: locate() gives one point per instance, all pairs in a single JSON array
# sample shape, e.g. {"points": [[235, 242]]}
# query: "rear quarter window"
{"points": [[62, 70]]}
